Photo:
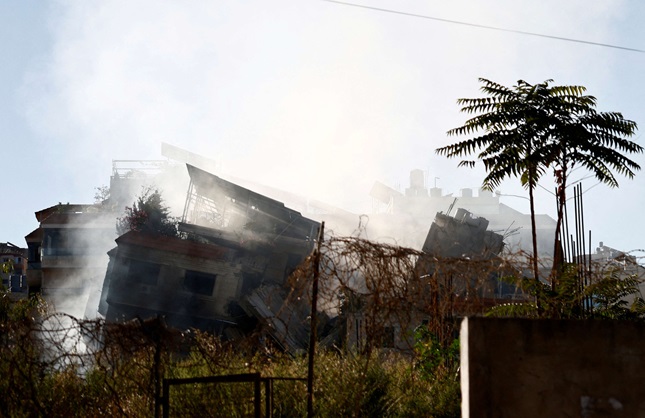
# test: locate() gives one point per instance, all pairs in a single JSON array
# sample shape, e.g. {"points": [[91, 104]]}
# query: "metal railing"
{"points": [[255, 378]]}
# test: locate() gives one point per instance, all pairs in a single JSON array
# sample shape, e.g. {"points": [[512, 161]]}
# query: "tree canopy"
{"points": [[148, 214], [524, 130]]}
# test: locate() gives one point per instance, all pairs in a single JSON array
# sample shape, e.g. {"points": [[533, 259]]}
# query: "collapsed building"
{"points": [[224, 275], [458, 273], [462, 236], [469, 251], [407, 214], [227, 271]]}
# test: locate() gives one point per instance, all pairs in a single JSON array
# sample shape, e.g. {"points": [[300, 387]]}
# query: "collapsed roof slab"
{"points": [[462, 236], [221, 204]]}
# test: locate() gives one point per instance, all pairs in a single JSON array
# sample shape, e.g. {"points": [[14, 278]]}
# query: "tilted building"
{"points": [[407, 214], [235, 242], [457, 274]]}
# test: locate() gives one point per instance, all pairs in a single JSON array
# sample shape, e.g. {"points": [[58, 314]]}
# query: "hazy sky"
{"points": [[306, 95]]}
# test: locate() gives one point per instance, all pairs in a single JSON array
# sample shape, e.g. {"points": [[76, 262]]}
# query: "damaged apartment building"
{"points": [[458, 273], [469, 256], [407, 214], [226, 272], [67, 255]]}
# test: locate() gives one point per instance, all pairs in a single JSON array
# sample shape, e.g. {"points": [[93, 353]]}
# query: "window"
{"points": [[34, 253], [198, 282], [143, 272], [388, 337]]}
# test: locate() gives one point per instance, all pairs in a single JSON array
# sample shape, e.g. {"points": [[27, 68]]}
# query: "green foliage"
{"points": [[435, 360], [20, 367], [513, 122], [148, 214], [527, 128], [114, 375], [375, 385], [7, 267], [13, 312], [610, 296], [438, 364]]}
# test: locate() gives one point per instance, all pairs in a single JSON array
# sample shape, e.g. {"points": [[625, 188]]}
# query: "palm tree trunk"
{"points": [[536, 272], [558, 255]]}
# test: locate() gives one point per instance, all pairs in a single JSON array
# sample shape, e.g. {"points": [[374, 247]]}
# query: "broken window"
{"points": [[198, 282]]}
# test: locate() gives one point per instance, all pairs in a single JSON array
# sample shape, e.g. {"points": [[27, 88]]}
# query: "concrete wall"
{"points": [[547, 368]]}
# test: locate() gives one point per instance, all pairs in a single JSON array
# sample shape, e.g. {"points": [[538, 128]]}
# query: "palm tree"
{"points": [[514, 126], [529, 128], [596, 141]]}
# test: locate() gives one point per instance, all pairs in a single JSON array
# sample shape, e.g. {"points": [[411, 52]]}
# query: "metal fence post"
{"points": [[257, 402]]}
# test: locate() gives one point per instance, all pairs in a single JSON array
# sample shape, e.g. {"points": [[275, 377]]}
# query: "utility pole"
{"points": [[313, 323]]}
